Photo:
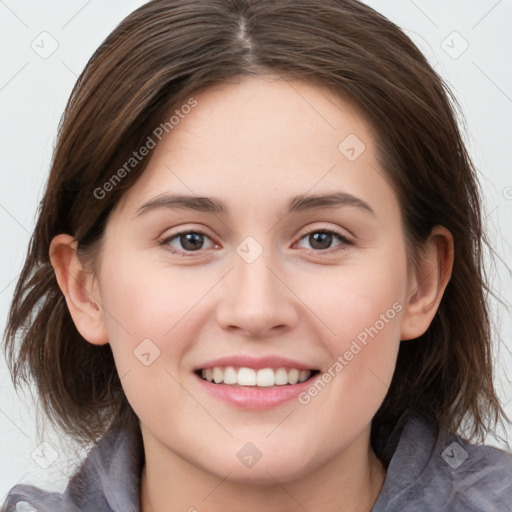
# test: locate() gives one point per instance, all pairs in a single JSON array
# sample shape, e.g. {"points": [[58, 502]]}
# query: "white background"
{"points": [[33, 92]]}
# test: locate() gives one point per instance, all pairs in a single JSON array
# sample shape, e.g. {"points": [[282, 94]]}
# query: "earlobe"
{"points": [[78, 286], [428, 283]]}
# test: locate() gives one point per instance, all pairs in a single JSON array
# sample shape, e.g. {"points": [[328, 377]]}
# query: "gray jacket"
{"points": [[426, 473]]}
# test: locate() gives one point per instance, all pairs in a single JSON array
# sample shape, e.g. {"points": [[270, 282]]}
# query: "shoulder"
{"points": [[481, 475], [108, 480], [26, 498], [433, 470]]}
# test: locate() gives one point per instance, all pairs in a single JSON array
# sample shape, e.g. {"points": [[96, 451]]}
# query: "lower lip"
{"points": [[255, 397]]}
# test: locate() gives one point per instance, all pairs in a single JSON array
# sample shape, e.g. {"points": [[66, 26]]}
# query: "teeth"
{"points": [[218, 375], [281, 377], [230, 375], [304, 375], [266, 377], [246, 377], [293, 376]]}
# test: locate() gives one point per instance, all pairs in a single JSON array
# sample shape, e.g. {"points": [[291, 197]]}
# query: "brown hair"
{"points": [[148, 66]]}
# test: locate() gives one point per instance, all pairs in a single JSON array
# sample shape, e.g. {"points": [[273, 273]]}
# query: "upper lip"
{"points": [[257, 363]]}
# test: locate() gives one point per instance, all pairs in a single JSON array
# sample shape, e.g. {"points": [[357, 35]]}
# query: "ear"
{"points": [[427, 283], [80, 289]]}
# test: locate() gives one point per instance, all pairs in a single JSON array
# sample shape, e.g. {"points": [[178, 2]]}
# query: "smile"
{"points": [[263, 377]]}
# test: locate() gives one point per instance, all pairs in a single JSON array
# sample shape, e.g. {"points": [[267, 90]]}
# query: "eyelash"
{"points": [[343, 239]]}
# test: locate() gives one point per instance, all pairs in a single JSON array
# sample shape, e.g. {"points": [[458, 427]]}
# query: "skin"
{"points": [[254, 143]]}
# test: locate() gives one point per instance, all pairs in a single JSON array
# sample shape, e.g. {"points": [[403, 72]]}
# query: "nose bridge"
{"points": [[252, 262], [255, 282], [254, 299]]}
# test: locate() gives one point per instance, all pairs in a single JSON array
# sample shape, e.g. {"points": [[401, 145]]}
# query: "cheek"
{"points": [[362, 306], [140, 304], [365, 314], [366, 293], [151, 308], [146, 316], [147, 297]]}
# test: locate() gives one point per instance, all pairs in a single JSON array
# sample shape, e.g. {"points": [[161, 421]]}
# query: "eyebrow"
{"points": [[302, 202]]}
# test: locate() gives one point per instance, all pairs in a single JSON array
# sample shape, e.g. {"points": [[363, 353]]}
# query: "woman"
{"points": [[256, 275]]}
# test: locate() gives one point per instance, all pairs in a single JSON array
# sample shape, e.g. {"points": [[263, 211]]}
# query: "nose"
{"points": [[256, 300]]}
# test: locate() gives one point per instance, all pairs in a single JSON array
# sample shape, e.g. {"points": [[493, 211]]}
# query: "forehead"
{"points": [[258, 138]]}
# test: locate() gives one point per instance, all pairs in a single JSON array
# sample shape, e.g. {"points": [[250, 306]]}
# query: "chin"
{"points": [[265, 475], [266, 466]]}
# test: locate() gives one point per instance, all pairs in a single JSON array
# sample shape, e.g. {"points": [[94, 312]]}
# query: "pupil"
{"points": [[191, 241], [320, 240]]}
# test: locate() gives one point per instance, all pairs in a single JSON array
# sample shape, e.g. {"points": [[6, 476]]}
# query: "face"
{"points": [[293, 268]]}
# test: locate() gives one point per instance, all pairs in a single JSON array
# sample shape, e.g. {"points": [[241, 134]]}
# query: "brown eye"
{"points": [[191, 241], [323, 239], [320, 240], [188, 242]]}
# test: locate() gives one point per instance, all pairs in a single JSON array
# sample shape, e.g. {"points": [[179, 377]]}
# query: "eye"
{"points": [[187, 241], [322, 240]]}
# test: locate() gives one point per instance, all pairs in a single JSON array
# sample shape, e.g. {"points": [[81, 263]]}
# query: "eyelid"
{"points": [[345, 241], [165, 241], [344, 234]]}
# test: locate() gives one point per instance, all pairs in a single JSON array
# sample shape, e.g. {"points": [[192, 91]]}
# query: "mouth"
{"points": [[245, 377], [255, 383]]}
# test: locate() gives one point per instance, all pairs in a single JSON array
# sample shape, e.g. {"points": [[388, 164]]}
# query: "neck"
{"points": [[344, 484]]}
